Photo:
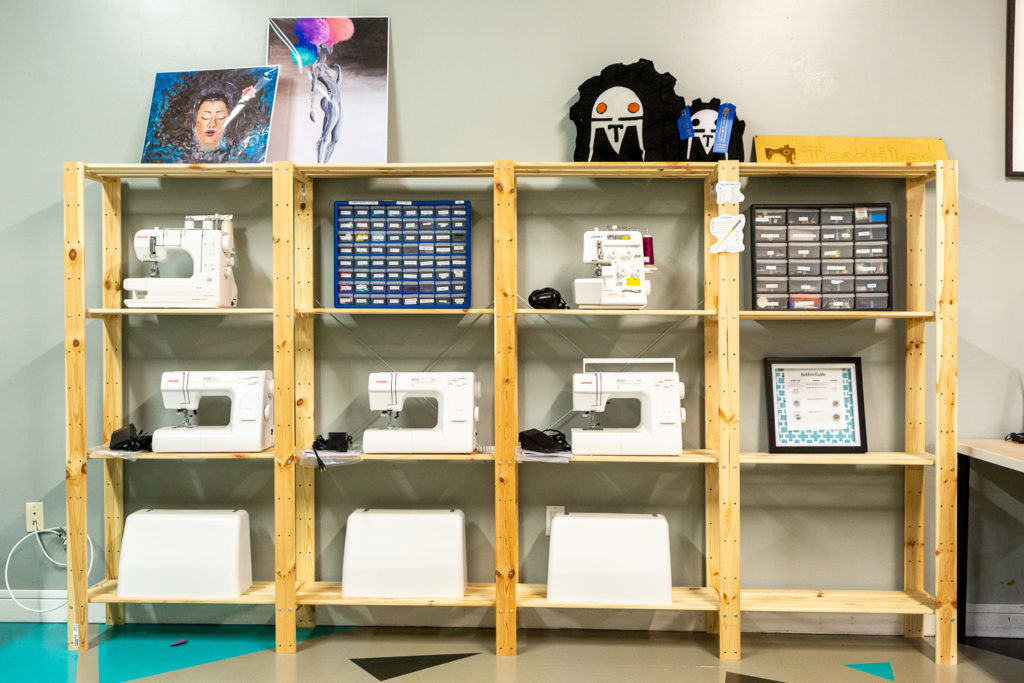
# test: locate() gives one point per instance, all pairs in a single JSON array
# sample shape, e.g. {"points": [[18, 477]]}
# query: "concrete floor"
{"points": [[593, 656]]}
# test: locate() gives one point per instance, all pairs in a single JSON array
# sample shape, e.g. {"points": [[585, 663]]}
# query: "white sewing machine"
{"points": [[457, 412], [251, 427], [212, 283], [618, 258], [660, 430]]}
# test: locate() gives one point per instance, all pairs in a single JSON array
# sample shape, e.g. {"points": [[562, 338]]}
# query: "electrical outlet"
{"points": [[34, 516], [551, 511]]}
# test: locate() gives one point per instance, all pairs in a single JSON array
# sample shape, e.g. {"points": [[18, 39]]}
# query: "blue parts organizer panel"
{"points": [[402, 254]]}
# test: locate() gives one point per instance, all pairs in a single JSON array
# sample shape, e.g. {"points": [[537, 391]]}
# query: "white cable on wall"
{"points": [[60, 533]]}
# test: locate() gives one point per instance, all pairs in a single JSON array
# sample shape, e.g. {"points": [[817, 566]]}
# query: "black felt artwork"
{"points": [[704, 116], [654, 138], [383, 668]]}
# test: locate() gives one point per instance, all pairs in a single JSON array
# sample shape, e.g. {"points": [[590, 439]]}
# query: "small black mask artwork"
{"points": [[631, 112]]}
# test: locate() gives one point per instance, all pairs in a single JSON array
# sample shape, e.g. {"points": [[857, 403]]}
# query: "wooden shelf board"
{"points": [[701, 455], [846, 601], [104, 312], [624, 312], [329, 593], [261, 593], [394, 311], [632, 169], [870, 458], [103, 171], [454, 170], [869, 170], [835, 315], [683, 598], [96, 452]]}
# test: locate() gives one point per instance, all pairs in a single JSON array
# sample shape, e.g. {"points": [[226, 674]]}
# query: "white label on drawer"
{"points": [[771, 285], [863, 233], [771, 267], [835, 268], [866, 268], [837, 282], [803, 252], [871, 285], [770, 235]]}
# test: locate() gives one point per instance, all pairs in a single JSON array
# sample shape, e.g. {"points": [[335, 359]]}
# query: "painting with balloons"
{"points": [[332, 93]]}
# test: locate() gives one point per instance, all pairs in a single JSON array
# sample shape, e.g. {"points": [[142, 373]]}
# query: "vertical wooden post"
{"points": [[284, 407], [726, 385], [305, 499], [74, 380], [113, 389], [506, 408], [711, 406], [947, 213], [915, 405]]}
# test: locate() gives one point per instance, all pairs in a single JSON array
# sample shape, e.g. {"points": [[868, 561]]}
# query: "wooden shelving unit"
{"points": [[296, 591]]}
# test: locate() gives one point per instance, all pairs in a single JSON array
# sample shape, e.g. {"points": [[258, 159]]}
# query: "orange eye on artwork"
{"points": [[633, 107], [602, 108]]}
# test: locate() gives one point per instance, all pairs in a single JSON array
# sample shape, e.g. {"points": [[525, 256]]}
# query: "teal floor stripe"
{"points": [[133, 650]]}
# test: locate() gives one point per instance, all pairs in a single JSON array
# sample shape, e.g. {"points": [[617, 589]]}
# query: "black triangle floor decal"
{"points": [[730, 677], [383, 668]]}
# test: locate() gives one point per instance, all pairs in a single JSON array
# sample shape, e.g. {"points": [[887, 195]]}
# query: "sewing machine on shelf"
{"points": [[457, 412], [250, 428], [661, 417], [620, 270], [212, 249]]}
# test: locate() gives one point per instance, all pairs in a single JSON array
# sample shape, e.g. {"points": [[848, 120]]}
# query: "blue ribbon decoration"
{"points": [[723, 128], [685, 124]]}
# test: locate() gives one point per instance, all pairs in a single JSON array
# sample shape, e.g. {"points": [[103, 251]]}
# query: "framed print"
{"points": [[815, 405], [1014, 96]]}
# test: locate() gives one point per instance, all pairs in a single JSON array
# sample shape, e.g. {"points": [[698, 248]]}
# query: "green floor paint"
{"points": [[880, 669], [133, 650]]}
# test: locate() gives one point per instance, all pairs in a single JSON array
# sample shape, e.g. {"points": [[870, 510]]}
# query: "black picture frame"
{"points": [[781, 439], [1011, 135]]}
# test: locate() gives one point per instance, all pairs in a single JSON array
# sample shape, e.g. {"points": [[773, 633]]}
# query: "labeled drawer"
{"points": [[769, 234], [804, 284], [871, 250], [774, 267], [872, 283], [771, 285], [870, 214], [870, 233], [804, 267], [838, 284], [802, 233], [771, 302], [872, 267], [837, 267], [836, 233], [837, 302], [804, 302], [837, 250], [830, 216], [804, 250], [802, 216], [768, 217], [770, 251]]}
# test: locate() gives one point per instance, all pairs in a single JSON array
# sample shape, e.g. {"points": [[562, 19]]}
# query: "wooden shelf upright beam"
{"points": [[74, 379], [722, 480], [915, 404], [506, 408], [284, 407], [305, 430], [947, 218], [113, 388]]}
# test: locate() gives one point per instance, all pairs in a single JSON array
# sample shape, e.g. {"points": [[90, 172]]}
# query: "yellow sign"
{"points": [[800, 149]]}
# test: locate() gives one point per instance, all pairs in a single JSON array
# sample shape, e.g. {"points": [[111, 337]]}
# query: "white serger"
{"points": [[212, 249], [660, 431], [457, 412], [618, 258], [251, 427]]}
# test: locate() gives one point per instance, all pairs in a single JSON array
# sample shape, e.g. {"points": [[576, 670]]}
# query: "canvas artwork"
{"points": [[211, 116], [332, 104]]}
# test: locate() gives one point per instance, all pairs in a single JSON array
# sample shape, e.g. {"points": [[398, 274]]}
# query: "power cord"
{"points": [[62, 534]]}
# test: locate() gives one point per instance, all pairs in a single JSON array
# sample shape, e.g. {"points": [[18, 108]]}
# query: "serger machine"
{"points": [[251, 427], [212, 283], [457, 412], [660, 430], [619, 268]]}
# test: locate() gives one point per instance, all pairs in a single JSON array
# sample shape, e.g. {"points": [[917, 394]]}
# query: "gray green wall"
{"points": [[474, 81]]}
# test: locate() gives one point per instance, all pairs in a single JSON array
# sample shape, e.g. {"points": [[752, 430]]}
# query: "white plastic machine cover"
{"points": [[405, 554], [185, 554], [609, 558]]}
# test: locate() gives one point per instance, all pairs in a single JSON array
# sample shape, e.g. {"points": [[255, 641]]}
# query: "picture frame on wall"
{"points": [[1014, 97], [815, 405]]}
